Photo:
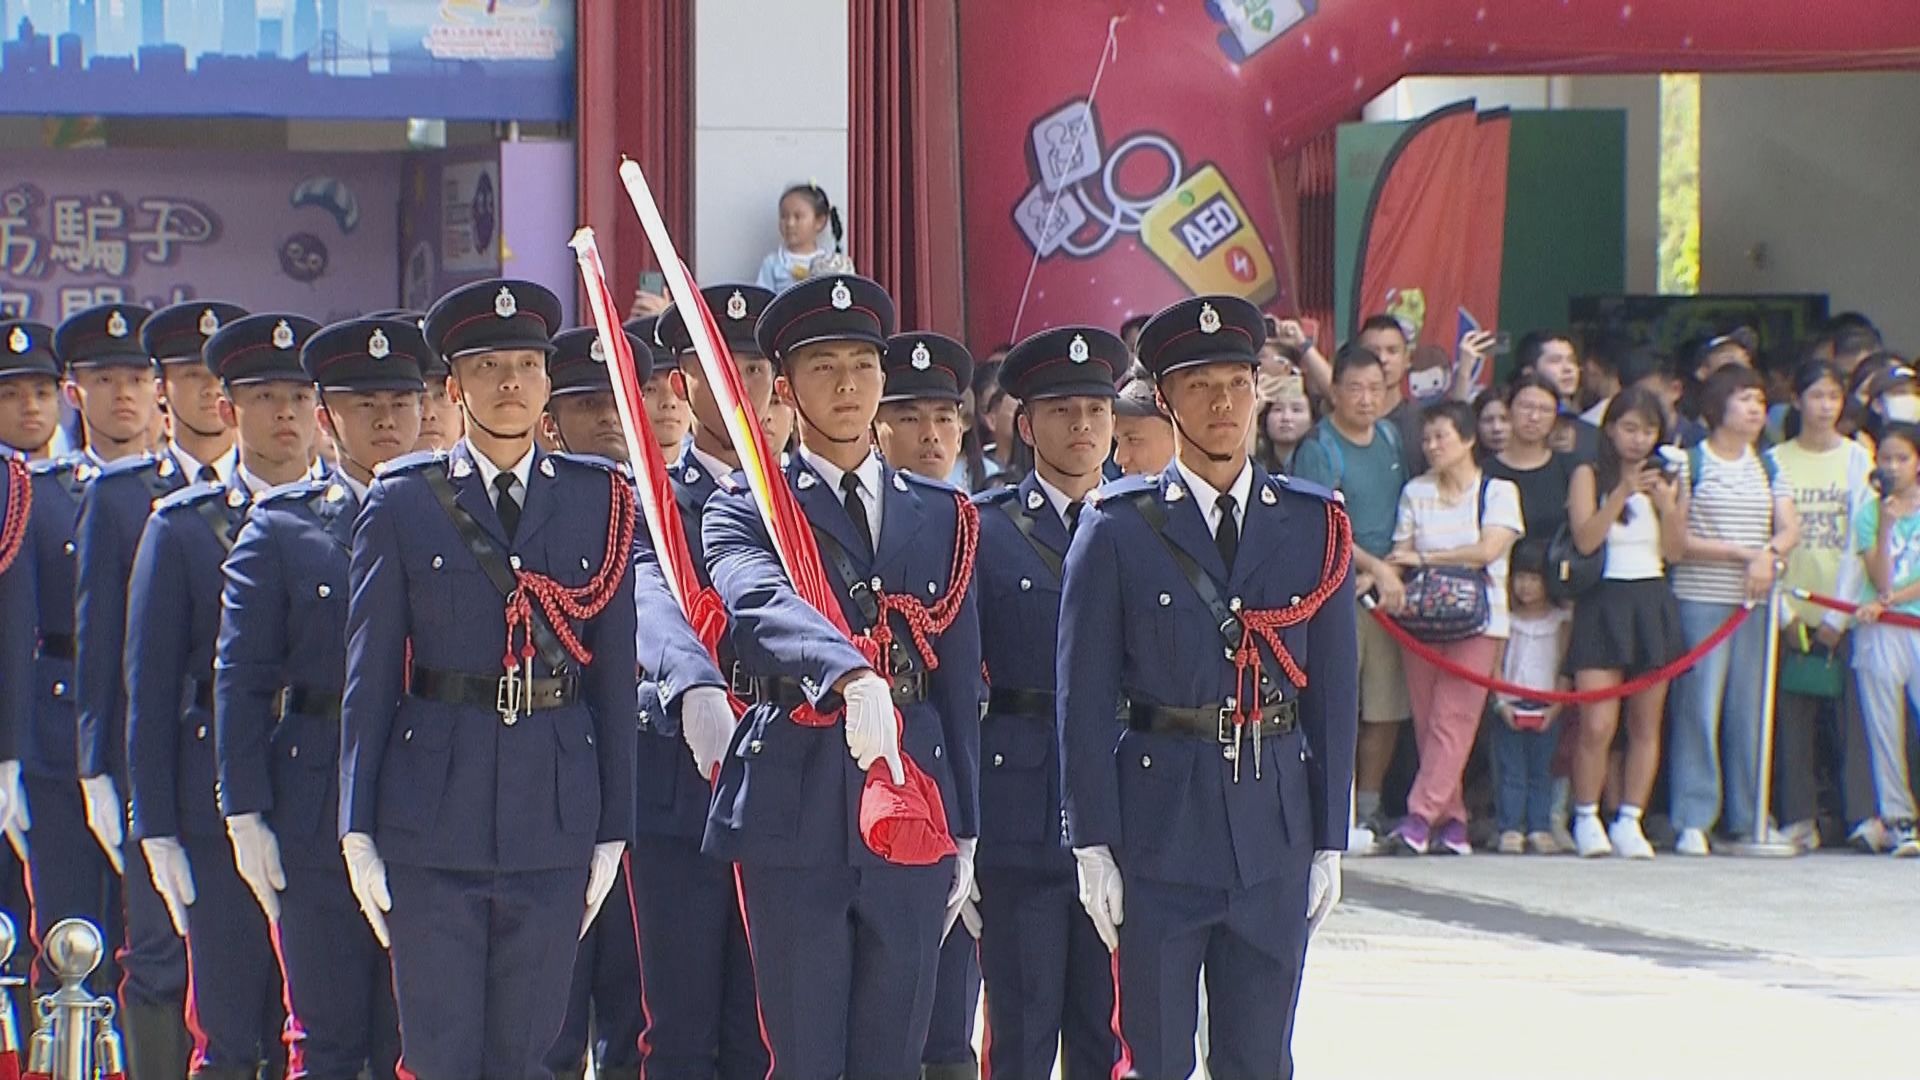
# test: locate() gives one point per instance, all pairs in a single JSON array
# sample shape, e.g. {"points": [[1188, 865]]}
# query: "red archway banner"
{"points": [[1087, 203]]}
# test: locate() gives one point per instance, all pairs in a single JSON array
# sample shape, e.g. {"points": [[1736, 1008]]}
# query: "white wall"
{"points": [[763, 120], [1808, 184]]}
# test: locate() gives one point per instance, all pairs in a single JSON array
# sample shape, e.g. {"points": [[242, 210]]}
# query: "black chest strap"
{"points": [[1025, 523], [906, 659], [493, 562], [224, 525], [1225, 618]]}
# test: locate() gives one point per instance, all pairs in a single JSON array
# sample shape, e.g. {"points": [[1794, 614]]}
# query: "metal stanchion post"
{"points": [[1763, 844], [72, 949]]}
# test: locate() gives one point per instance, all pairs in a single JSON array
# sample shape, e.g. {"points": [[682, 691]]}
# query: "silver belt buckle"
{"points": [[506, 697]]}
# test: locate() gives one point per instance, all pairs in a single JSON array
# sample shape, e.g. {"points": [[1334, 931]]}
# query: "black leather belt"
{"points": [[306, 701], [1276, 719], [790, 694], [508, 695], [56, 646], [1010, 702]]}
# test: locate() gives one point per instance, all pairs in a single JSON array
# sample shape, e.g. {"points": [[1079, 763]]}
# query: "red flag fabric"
{"points": [[1432, 240]]}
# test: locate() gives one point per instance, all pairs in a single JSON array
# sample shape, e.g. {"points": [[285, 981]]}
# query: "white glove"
{"points": [[14, 818], [368, 877], [106, 817], [970, 910], [963, 892], [1323, 888], [256, 855], [600, 879], [1100, 892], [706, 722], [172, 877], [873, 732]]}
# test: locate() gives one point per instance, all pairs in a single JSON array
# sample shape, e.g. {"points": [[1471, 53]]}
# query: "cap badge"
{"points": [[736, 306], [377, 346], [209, 323], [282, 335], [116, 325], [922, 358], [1209, 319], [18, 341], [1078, 351], [596, 352], [842, 297], [504, 305]]}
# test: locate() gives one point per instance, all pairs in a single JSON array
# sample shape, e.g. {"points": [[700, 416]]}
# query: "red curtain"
{"points": [[904, 156], [635, 100]]}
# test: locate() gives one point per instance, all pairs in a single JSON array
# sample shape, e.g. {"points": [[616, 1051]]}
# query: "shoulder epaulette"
{"points": [[408, 462], [191, 495], [733, 483], [1305, 487], [915, 479], [294, 492], [593, 461], [128, 466], [59, 466], [1124, 487], [995, 496]]}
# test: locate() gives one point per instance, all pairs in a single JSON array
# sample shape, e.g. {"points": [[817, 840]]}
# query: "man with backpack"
{"points": [[1357, 453]]}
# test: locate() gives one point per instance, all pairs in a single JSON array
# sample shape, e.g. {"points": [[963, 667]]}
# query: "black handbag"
{"points": [[1572, 573]]}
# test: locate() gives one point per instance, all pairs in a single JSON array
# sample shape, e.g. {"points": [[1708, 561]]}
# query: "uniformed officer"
{"points": [[697, 984], [70, 876], [201, 442], [111, 378], [603, 1006], [1206, 817], [844, 942], [173, 624], [917, 430], [1048, 976], [279, 671], [667, 411], [441, 424], [499, 798]]}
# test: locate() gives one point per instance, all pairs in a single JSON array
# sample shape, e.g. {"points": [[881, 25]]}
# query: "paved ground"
{"points": [[1491, 967]]}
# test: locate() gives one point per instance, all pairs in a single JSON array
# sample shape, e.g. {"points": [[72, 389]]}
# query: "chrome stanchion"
{"points": [[1763, 844], [72, 1016]]}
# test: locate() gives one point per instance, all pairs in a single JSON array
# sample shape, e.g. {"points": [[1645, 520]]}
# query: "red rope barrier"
{"points": [[1564, 697], [1887, 618]]}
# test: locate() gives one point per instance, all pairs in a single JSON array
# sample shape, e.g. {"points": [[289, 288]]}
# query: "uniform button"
{"points": [[1166, 599], [67, 547], [877, 584], [200, 732], [1146, 762], [59, 689], [999, 760], [937, 752], [513, 561], [324, 591], [295, 752], [408, 737], [931, 588], [589, 738], [585, 565], [438, 562], [1234, 604], [755, 746], [1303, 753], [1295, 602], [1026, 584]]}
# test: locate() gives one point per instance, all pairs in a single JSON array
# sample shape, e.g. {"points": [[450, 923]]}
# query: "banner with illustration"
{"points": [[333, 59], [312, 233]]}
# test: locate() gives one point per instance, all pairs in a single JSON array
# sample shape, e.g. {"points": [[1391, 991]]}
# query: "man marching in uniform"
{"points": [[845, 942], [68, 873], [1206, 817], [173, 623], [603, 1005], [112, 378], [697, 973], [1049, 978], [279, 670], [29, 413], [487, 729], [917, 430]]}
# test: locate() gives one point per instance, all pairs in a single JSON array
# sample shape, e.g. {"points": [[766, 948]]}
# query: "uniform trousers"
{"points": [[68, 876], [603, 1003], [482, 961], [845, 959], [956, 1002], [1049, 977], [236, 1010], [339, 984]]}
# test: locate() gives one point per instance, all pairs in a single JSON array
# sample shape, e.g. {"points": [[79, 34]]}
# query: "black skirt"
{"points": [[1627, 626]]}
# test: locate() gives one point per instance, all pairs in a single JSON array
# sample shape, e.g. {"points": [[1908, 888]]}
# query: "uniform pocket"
{"points": [[1016, 786], [413, 779], [1154, 779], [774, 755], [576, 772], [304, 755]]}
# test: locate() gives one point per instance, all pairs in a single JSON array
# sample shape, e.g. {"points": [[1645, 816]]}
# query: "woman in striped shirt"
{"points": [[1740, 525]]}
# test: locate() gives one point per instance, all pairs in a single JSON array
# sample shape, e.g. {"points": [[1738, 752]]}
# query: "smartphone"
{"points": [[653, 281]]}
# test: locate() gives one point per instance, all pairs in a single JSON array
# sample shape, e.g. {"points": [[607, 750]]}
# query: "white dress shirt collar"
{"points": [[1205, 495], [1057, 499], [870, 473], [522, 471], [715, 468]]}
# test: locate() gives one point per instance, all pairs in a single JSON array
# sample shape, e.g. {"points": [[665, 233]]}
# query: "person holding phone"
{"points": [[1886, 658]]}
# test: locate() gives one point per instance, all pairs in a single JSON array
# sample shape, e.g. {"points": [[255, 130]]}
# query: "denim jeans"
{"points": [[1523, 775], [1717, 707]]}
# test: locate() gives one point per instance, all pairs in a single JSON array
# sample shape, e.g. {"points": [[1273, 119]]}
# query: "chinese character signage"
{"points": [[311, 233], [371, 59]]}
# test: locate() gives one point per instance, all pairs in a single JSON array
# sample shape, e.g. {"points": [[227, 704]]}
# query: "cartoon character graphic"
{"points": [[1429, 373], [1410, 307], [1252, 25]]}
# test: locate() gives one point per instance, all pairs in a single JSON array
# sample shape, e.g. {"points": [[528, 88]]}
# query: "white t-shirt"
{"points": [[1533, 651], [1435, 525]]}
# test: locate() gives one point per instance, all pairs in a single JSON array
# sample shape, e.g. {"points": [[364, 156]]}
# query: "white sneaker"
{"points": [[1692, 842], [1629, 841], [1360, 841], [1870, 837], [1906, 840], [1803, 835], [1590, 837]]}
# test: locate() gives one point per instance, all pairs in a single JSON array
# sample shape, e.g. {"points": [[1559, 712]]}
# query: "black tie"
{"points": [[208, 475], [1227, 536], [506, 505], [1073, 516], [856, 508]]}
